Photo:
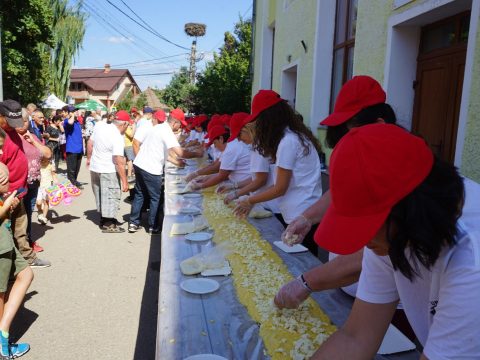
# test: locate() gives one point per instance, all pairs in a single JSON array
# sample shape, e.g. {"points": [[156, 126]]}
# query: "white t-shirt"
{"points": [[260, 164], [305, 184], [142, 122], [153, 151], [142, 132], [107, 142], [195, 135], [441, 304], [236, 158]]}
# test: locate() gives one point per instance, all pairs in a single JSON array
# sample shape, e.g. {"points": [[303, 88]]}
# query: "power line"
{"points": [[144, 61], [146, 28], [106, 23], [220, 42], [77, 79]]}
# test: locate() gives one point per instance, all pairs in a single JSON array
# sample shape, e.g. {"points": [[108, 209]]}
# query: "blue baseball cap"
{"points": [[147, 109]]}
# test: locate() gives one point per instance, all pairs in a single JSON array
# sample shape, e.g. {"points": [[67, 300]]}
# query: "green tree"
{"points": [[68, 25], [178, 93], [224, 86], [141, 101], [26, 30], [126, 103]]}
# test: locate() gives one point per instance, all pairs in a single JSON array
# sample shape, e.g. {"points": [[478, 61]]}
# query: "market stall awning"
{"points": [[91, 105]]}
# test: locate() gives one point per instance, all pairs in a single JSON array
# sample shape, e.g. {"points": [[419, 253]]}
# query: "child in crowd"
{"points": [[47, 179], [12, 265]]}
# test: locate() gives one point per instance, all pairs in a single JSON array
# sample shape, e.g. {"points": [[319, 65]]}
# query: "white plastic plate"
{"points": [[192, 195], [205, 357], [189, 211], [200, 286], [290, 249], [394, 341], [176, 172], [198, 236]]}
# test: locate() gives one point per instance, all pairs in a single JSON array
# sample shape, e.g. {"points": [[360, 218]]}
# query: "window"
{"points": [[343, 46], [448, 33]]}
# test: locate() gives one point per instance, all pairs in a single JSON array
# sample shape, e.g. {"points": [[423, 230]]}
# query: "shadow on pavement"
{"points": [[38, 231], [63, 219], [23, 319], [147, 329], [93, 216]]}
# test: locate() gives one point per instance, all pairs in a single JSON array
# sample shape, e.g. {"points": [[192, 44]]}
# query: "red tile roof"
{"points": [[98, 79]]}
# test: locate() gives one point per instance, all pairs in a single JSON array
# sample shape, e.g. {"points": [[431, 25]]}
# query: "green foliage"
{"points": [[26, 30], [141, 101], [178, 92], [68, 29], [224, 86], [126, 103]]}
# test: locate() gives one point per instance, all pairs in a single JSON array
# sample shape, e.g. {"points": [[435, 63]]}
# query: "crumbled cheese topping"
{"points": [[258, 275]]}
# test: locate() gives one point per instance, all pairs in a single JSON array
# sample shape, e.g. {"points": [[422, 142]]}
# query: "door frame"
{"points": [[451, 126], [403, 38]]}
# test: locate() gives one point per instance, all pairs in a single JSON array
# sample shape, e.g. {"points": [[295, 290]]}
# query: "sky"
{"points": [[112, 38]]}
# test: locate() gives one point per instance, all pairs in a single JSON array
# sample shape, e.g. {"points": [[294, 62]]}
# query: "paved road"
{"points": [[99, 298]]}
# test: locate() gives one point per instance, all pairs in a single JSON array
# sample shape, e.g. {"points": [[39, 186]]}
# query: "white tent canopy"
{"points": [[53, 102]]}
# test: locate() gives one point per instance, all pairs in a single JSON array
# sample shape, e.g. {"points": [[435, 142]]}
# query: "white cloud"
{"points": [[119, 39]]}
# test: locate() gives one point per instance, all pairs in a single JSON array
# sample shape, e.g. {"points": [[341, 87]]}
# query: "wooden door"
{"points": [[438, 88]]}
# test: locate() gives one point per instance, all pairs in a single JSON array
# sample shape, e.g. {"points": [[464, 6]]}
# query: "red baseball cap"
{"points": [[133, 110], [236, 124], [355, 95], [226, 119], [122, 115], [201, 119], [372, 168], [215, 132], [214, 121], [160, 116], [179, 115], [262, 101]]}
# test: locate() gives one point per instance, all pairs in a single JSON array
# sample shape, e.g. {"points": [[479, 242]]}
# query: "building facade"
{"points": [[106, 86], [425, 53]]}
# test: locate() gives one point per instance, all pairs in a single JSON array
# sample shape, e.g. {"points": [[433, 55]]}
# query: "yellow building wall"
{"points": [[295, 20], [294, 24], [369, 59]]}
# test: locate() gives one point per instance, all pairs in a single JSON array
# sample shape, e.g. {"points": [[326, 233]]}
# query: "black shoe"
{"points": [[153, 231]]}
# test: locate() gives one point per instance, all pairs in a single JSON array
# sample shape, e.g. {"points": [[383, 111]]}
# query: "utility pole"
{"points": [[193, 66], [194, 30]]}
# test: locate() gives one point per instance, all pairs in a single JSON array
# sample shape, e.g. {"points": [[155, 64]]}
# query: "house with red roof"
{"points": [[106, 86]]}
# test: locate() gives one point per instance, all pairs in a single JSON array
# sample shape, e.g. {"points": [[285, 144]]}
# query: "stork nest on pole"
{"points": [[195, 29]]}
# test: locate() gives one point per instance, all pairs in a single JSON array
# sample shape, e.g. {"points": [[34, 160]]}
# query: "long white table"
{"points": [[217, 323]]}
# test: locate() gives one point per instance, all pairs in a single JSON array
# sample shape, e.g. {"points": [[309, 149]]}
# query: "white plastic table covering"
{"points": [[217, 323]]}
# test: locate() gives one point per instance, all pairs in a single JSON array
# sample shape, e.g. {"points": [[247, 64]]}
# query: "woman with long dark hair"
{"points": [[281, 135], [392, 196]]}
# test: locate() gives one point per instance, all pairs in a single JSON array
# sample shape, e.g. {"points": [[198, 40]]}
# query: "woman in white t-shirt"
{"points": [[392, 196], [234, 164], [281, 135], [261, 168]]}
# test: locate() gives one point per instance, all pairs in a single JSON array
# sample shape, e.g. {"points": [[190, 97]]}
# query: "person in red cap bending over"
{"points": [[391, 195], [361, 101], [149, 164], [197, 134], [281, 135], [234, 161], [105, 157]]}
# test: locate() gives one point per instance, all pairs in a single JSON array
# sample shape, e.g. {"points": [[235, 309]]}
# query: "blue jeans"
{"points": [[29, 201], [150, 185]]}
